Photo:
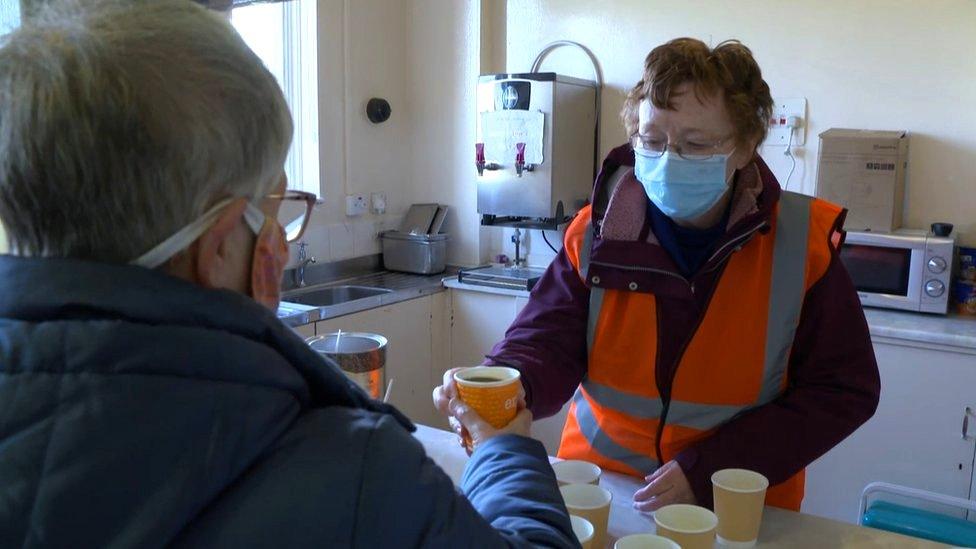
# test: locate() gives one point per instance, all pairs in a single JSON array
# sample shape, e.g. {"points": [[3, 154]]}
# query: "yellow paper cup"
{"points": [[740, 496], [690, 526], [574, 471], [583, 530], [645, 541], [492, 391], [592, 503]]}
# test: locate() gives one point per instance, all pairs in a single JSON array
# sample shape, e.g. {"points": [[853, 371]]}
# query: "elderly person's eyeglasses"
{"points": [[294, 213], [689, 150]]}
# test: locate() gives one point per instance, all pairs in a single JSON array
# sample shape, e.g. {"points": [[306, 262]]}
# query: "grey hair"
{"points": [[121, 121]]}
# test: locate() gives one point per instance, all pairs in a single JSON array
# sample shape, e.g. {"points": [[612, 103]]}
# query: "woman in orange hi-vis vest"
{"points": [[698, 317]]}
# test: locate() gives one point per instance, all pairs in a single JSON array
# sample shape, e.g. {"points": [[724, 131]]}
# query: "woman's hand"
{"points": [[665, 486], [443, 395], [446, 393]]}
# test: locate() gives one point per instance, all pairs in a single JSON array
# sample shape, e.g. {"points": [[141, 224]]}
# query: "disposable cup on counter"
{"points": [[583, 530], [574, 471], [740, 497], [645, 541], [690, 526], [592, 503]]}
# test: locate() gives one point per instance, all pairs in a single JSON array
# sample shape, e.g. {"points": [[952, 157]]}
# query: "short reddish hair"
{"points": [[729, 69]]}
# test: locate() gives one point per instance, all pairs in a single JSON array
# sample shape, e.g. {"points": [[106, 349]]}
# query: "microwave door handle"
{"points": [[965, 424]]}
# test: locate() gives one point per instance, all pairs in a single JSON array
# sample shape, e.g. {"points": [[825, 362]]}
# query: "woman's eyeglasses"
{"points": [[689, 150]]}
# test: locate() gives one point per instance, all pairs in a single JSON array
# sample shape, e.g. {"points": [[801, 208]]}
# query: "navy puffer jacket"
{"points": [[138, 410]]}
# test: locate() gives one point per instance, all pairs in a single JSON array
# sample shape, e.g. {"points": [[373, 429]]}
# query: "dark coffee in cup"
{"points": [[481, 379]]}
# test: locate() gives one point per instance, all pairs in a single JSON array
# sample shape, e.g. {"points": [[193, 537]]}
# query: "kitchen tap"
{"points": [[519, 158], [479, 157], [520, 165], [303, 260], [517, 240]]}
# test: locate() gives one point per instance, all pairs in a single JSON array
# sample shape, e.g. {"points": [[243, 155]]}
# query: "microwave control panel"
{"points": [[937, 272]]}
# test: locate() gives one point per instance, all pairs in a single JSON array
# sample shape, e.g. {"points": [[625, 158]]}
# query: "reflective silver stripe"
{"points": [[584, 257], [703, 417], [596, 294], [596, 305], [685, 414], [628, 403], [786, 289], [605, 445]]}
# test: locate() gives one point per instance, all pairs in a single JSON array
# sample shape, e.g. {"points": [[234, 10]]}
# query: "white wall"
{"points": [[423, 57], [878, 64], [444, 59], [361, 49], [422, 64]]}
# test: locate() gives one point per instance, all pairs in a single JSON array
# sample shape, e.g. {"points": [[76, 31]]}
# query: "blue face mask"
{"points": [[681, 188]]}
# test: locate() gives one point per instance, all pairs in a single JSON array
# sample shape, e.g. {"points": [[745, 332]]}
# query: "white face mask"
{"points": [[182, 238]]}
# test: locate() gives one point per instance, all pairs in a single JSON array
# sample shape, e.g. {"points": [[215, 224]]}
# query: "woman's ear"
{"points": [[221, 260], [745, 152]]}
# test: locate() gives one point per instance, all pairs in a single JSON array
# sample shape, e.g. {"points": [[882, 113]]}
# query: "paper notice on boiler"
{"points": [[501, 130]]}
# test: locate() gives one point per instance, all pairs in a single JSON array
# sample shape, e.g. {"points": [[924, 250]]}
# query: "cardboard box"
{"points": [[865, 171]]}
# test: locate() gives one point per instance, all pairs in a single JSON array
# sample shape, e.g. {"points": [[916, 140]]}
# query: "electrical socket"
{"points": [[356, 205], [779, 128]]}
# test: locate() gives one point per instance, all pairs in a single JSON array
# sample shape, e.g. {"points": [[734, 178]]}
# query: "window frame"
{"points": [[299, 83]]}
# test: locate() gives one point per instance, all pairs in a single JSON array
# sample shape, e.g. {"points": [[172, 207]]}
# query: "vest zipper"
{"points": [[641, 269], [734, 242], [677, 362], [684, 347]]}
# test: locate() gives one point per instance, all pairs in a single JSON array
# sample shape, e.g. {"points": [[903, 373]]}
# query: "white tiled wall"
{"points": [[340, 235], [339, 241]]}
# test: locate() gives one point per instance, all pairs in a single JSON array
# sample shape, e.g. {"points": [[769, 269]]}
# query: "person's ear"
{"points": [[745, 152], [217, 257]]}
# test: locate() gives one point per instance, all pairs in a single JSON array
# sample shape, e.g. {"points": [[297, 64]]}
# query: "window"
{"points": [[9, 15], [283, 35]]}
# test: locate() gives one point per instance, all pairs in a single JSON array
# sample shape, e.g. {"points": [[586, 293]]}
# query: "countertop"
{"points": [[953, 332], [403, 287], [780, 528], [452, 282]]}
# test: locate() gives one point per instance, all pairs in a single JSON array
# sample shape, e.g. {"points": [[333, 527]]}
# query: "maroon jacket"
{"points": [[833, 384]]}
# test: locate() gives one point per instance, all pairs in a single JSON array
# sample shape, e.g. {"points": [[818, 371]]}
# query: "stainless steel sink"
{"points": [[323, 297]]}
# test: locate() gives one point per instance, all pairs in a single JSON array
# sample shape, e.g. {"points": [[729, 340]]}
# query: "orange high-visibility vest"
{"points": [[736, 360]]}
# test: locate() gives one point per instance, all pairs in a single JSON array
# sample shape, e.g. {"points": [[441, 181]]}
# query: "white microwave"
{"points": [[907, 270]]}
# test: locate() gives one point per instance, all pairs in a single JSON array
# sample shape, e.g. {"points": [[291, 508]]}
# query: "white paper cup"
{"points": [[583, 530], [645, 541], [740, 496], [592, 503], [573, 471], [691, 526]]}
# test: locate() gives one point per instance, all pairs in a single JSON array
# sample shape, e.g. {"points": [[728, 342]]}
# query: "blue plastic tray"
{"points": [[888, 516]]}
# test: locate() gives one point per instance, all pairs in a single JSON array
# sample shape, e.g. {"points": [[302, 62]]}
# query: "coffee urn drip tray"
{"points": [[509, 278]]}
